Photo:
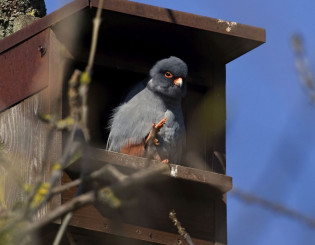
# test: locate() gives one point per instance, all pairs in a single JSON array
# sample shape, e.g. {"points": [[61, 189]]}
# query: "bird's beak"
{"points": [[178, 82]]}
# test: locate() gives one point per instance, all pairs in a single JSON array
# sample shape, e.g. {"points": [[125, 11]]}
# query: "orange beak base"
{"points": [[178, 82]]}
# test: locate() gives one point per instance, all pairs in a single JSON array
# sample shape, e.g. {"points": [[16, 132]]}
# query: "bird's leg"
{"points": [[151, 138], [140, 149]]}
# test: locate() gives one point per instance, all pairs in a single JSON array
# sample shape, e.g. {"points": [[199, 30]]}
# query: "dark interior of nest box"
{"points": [[128, 47]]}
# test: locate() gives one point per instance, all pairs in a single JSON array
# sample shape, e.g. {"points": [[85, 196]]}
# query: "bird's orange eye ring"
{"points": [[168, 74]]}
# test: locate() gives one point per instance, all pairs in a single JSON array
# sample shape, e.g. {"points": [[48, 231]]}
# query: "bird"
{"points": [[150, 121]]}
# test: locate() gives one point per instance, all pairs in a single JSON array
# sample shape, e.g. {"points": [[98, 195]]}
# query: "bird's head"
{"points": [[168, 77]]}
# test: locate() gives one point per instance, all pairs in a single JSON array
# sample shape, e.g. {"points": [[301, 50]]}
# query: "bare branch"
{"points": [[222, 159], [301, 63], [74, 204], [73, 94], [181, 230], [63, 228], [70, 238], [110, 171], [90, 197], [96, 25], [83, 93], [277, 208]]}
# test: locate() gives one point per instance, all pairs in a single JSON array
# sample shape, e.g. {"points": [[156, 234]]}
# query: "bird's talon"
{"points": [[161, 123]]}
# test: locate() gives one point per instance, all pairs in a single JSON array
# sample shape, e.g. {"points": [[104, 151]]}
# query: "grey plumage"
{"points": [[132, 120]]}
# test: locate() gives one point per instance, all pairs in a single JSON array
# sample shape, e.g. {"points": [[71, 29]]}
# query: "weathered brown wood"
{"points": [[182, 18], [18, 79], [182, 188], [90, 218], [246, 37], [23, 139], [220, 182], [57, 67], [29, 144], [220, 232], [192, 33], [203, 39]]}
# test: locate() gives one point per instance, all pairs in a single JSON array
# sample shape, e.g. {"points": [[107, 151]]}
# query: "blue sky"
{"points": [[270, 120]]}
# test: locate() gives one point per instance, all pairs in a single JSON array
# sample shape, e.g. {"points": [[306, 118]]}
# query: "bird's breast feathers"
{"points": [[132, 121]]}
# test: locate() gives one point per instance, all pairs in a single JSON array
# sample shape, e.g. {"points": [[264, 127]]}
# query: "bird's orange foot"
{"points": [[151, 138], [165, 161], [160, 124]]}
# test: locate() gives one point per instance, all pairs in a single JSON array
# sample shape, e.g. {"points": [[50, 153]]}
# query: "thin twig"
{"points": [[96, 25], [301, 63], [280, 209], [73, 94], [63, 228], [222, 159], [84, 86], [65, 187], [21, 214], [140, 176], [71, 148], [83, 93], [181, 230], [73, 204], [111, 172], [70, 238], [90, 197]]}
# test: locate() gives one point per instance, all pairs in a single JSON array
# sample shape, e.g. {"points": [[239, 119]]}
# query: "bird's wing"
{"points": [[131, 122]]}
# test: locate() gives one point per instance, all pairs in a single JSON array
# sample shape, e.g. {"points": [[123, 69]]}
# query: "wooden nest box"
{"points": [[38, 59]]}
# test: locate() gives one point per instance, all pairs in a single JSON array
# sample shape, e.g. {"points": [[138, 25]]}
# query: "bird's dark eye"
{"points": [[168, 74]]}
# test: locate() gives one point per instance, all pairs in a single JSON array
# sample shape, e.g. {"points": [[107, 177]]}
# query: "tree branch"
{"points": [[252, 199], [91, 196], [181, 230]]}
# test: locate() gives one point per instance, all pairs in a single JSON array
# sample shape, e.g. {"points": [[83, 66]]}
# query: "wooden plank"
{"points": [[145, 26], [185, 19], [57, 66], [42, 24], [220, 182], [24, 140], [153, 200], [143, 32], [220, 230], [90, 218], [187, 189], [24, 71]]}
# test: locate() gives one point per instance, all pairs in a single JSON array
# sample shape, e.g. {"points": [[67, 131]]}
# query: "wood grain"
{"points": [[23, 137], [28, 147], [219, 182]]}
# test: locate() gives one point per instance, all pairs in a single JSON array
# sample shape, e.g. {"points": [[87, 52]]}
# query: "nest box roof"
{"points": [[134, 30]]}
